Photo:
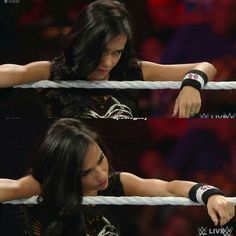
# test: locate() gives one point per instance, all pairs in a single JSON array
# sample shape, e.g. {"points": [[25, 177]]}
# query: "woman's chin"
{"points": [[99, 77]]}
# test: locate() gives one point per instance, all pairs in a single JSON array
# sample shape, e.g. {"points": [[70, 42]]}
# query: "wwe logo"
{"points": [[204, 115], [202, 231], [219, 116], [227, 231]]}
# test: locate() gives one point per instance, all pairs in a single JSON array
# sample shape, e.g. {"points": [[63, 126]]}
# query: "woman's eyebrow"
{"points": [[100, 157], [118, 50]]}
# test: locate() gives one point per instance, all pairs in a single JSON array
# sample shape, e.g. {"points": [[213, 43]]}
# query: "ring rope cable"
{"points": [[229, 85], [135, 200]]}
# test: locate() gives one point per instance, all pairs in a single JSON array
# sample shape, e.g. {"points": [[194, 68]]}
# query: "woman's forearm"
{"points": [[136, 186], [179, 188], [11, 75], [157, 72], [8, 189], [16, 189]]}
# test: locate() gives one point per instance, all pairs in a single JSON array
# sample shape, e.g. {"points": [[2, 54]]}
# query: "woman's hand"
{"points": [[188, 102], [220, 209]]}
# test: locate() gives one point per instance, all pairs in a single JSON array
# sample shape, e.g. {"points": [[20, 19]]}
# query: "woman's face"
{"points": [[110, 58], [95, 171]]}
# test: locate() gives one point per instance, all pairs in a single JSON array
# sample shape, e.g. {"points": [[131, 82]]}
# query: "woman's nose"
{"points": [[107, 61], [100, 174]]}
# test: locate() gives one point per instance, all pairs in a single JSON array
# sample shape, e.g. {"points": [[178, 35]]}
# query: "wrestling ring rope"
{"points": [[124, 85], [105, 200]]}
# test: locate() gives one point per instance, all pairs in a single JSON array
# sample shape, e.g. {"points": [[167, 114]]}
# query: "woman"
{"points": [[71, 162], [99, 47]]}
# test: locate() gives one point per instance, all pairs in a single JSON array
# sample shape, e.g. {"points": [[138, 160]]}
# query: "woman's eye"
{"points": [[117, 53], [100, 160], [84, 173]]}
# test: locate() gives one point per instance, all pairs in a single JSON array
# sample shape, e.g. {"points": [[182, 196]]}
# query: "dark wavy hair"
{"points": [[57, 165], [97, 24]]}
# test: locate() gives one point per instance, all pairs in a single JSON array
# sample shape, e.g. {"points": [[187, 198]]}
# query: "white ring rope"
{"points": [[123, 85], [105, 200]]}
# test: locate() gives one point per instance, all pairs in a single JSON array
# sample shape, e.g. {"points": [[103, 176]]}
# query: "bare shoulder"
{"points": [[39, 63], [38, 70], [130, 182], [147, 65], [126, 176], [29, 185], [41, 68]]}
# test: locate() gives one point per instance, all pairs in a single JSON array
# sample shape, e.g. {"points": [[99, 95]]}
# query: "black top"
{"points": [[81, 103], [72, 103], [99, 219], [93, 103], [103, 218]]}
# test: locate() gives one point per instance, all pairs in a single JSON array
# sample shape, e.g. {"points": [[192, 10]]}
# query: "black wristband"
{"points": [[196, 79], [193, 83], [201, 192], [200, 73]]}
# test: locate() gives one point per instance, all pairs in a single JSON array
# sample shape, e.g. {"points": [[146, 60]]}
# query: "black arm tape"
{"points": [[204, 194], [193, 83], [192, 192], [210, 192], [201, 73]]}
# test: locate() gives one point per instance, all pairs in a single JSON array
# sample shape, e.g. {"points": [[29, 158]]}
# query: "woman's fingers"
{"points": [[220, 209], [188, 103]]}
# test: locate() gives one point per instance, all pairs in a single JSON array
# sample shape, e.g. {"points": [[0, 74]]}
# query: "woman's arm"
{"points": [[11, 75], [188, 102], [217, 205], [16, 189], [136, 186], [157, 72]]}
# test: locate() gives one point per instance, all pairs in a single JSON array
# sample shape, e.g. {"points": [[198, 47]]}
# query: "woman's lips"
{"points": [[101, 71], [102, 183]]}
